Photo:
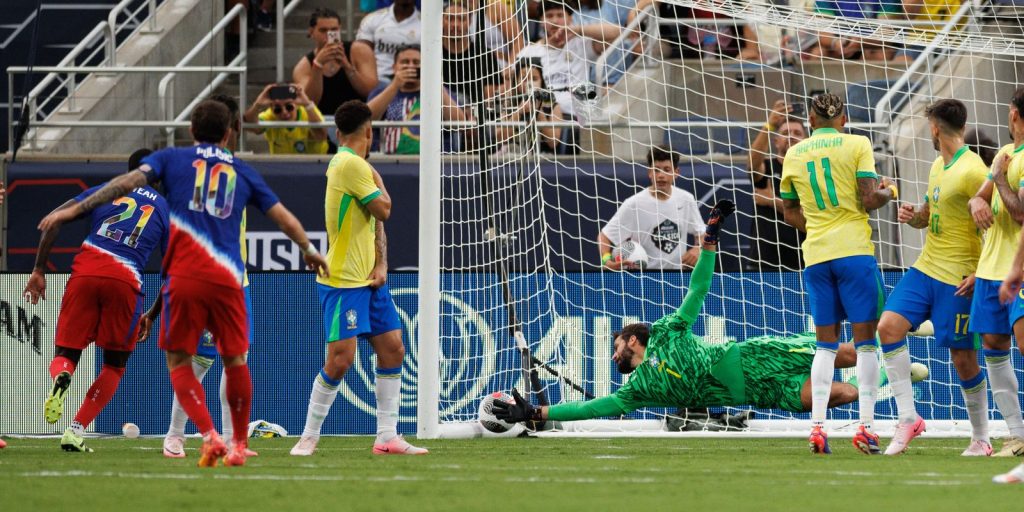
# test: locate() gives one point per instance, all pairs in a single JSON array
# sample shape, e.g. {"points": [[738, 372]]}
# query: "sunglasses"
{"points": [[287, 106]]}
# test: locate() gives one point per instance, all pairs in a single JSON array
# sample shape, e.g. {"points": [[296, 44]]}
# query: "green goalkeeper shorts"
{"points": [[775, 370]]}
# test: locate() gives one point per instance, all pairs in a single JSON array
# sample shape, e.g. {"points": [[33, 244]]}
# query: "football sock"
{"points": [[99, 394], [975, 392], [192, 397], [897, 366], [78, 428], [823, 369], [239, 398], [61, 364], [388, 388], [227, 424], [325, 390], [867, 375], [178, 416], [1005, 389]]}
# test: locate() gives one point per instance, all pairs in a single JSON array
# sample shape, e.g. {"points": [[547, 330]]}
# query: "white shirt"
{"points": [[385, 34], [564, 68], [660, 226]]}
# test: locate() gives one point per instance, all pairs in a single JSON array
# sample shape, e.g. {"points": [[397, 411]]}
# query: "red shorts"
{"points": [[191, 305], [101, 310]]}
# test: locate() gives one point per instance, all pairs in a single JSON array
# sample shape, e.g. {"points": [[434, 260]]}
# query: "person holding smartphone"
{"points": [[288, 102], [334, 71]]}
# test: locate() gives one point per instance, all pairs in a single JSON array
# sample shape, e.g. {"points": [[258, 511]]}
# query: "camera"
{"points": [[543, 96], [584, 92]]}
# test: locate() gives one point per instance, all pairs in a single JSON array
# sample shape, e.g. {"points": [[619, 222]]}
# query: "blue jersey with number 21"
{"points": [[207, 189]]}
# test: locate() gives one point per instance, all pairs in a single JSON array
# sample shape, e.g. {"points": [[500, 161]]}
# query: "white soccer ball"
{"points": [[486, 416], [918, 372], [130, 430], [631, 252]]}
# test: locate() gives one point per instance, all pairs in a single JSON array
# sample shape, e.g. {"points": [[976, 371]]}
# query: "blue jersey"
{"points": [[124, 233], [207, 189]]}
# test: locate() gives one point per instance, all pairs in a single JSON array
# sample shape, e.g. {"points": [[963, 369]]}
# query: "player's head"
{"points": [[135, 160], [790, 132], [827, 111], [1016, 124], [322, 22], [982, 144], [947, 117], [353, 119], [629, 345], [211, 121], [662, 168], [236, 121]]}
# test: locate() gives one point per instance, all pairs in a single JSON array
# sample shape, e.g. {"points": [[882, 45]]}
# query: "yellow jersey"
{"points": [[999, 243], [292, 141], [821, 172], [953, 243], [351, 228]]}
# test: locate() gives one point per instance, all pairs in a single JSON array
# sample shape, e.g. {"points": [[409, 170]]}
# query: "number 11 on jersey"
{"points": [[830, 184]]}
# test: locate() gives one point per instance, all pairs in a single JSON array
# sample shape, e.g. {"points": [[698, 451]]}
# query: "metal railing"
{"points": [[622, 46], [282, 12], [133, 16], [165, 91]]}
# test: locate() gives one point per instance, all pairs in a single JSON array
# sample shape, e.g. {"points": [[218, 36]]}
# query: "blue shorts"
{"points": [[354, 312], [988, 315], [208, 346], [847, 288], [918, 298], [1016, 311]]}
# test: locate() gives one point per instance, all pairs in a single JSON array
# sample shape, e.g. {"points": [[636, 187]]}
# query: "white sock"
{"points": [[388, 389], [325, 390], [227, 427], [975, 393], [896, 357], [178, 416], [867, 380], [1005, 389], [78, 428], [823, 369]]}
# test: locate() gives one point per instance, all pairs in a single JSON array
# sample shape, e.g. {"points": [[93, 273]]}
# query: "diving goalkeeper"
{"points": [[672, 367]]}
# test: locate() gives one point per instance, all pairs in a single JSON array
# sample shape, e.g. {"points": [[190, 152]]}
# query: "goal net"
{"points": [[523, 177]]}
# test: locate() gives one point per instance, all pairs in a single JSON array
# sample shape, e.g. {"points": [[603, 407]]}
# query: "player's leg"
{"points": [[992, 319], [826, 309], [1015, 475], [102, 390], [76, 328], [907, 306], [346, 316], [174, 441], [225, 408], [229, 326]]}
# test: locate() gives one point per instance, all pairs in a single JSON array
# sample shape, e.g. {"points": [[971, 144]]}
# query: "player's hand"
{"points": [[906, 213], [317, 262], [966, 287], [145, 328], [721, 211], [36, 287], [1011, 286], [981, 211], [56, 218], [378, 276], [691, 256], [520, 411]]}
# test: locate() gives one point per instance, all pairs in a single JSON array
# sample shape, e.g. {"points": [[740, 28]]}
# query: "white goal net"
{"points": [[544, 141]]}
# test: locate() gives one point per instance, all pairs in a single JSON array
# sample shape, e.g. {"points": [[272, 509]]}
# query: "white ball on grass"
{"points": [[486, 416], [918, 372], [130, 430]]}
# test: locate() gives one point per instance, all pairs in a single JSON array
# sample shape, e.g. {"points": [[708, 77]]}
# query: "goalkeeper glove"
{"points": [[518, 412], [722, 210]]}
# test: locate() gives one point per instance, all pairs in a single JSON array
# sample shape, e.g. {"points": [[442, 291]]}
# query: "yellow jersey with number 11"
{"points": [[821, 172]]}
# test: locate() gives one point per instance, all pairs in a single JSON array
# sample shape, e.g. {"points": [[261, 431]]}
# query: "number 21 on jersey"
{"points": [[830, 185], [220, 189], [108, 230]]}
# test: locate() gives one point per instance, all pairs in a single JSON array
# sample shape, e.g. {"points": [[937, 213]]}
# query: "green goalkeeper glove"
{"points": [[722, 210], [518, 412]]}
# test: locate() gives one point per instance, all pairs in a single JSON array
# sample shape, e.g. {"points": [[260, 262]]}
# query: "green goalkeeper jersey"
{"points": [[679, 368]]}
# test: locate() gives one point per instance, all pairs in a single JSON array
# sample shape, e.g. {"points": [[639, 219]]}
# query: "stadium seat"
{"points": [[701, 140], [861, 98]]}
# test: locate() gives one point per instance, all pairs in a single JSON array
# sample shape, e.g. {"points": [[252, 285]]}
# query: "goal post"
{"points": [[513, 196]]}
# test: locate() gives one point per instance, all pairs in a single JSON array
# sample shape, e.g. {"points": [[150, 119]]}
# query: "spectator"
{"points": [[852, 48], [982, 145], [776, 244], [567, 51], [469, 74], [615, 12], [263, 19], [288, 102], [659, 218], [334, 72], [937, 12], [385, 30], [714, 38], [399, 100], [502, 32], [529, 100]]}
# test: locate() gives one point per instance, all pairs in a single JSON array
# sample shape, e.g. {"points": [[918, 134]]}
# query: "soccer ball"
{"points": [[486, 416], [631, 252], [130, 430], [918, 372]]}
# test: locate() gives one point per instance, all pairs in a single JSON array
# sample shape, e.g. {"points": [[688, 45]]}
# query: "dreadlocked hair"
{"points": [[827, 106]]}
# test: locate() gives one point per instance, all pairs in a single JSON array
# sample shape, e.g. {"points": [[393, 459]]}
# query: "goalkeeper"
{"points": [[671, 366]]}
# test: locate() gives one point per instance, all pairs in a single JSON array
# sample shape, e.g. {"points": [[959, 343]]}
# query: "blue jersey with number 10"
{"points": [[207, 189]]}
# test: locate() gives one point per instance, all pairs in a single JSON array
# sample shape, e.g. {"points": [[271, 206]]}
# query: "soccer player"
{"points": [[938, 286], [990, 318], [103, 298], [207, 189], [355, 297], [828, 187], [671, 366]]}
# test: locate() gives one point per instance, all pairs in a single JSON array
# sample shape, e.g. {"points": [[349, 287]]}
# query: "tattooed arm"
{"points": [[114, 189], [379, 276]]}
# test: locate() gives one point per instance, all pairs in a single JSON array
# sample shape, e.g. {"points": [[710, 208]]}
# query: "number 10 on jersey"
{"points": [[830, 185], [224, 188]]}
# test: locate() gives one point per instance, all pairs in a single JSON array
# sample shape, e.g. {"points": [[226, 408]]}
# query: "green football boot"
{"points": [[53, 407], [72, 442]]}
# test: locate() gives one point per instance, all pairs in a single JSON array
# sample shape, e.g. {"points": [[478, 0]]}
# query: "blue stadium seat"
{"points": [[861, 98], [730, 140], [701, 140]]}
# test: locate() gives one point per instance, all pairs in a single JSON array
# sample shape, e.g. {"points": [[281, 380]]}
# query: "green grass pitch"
{"points": [[508, 474]]}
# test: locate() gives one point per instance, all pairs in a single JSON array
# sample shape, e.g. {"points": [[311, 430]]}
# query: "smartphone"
{"points": [[418, 73], [333, 36], [282, 92]]}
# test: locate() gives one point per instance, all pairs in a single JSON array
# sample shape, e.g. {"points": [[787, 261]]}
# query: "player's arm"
{"points": [[981, 205], [1011, 198], [914, 216], [523, 410], [700, 278], [379, 275], [793, 214], [875, 192], [36, 287], [380, 205], [291, 227], [114, 189]]}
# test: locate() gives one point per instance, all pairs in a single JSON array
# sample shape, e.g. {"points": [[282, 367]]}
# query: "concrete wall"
{"points": [[134, 97]]}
